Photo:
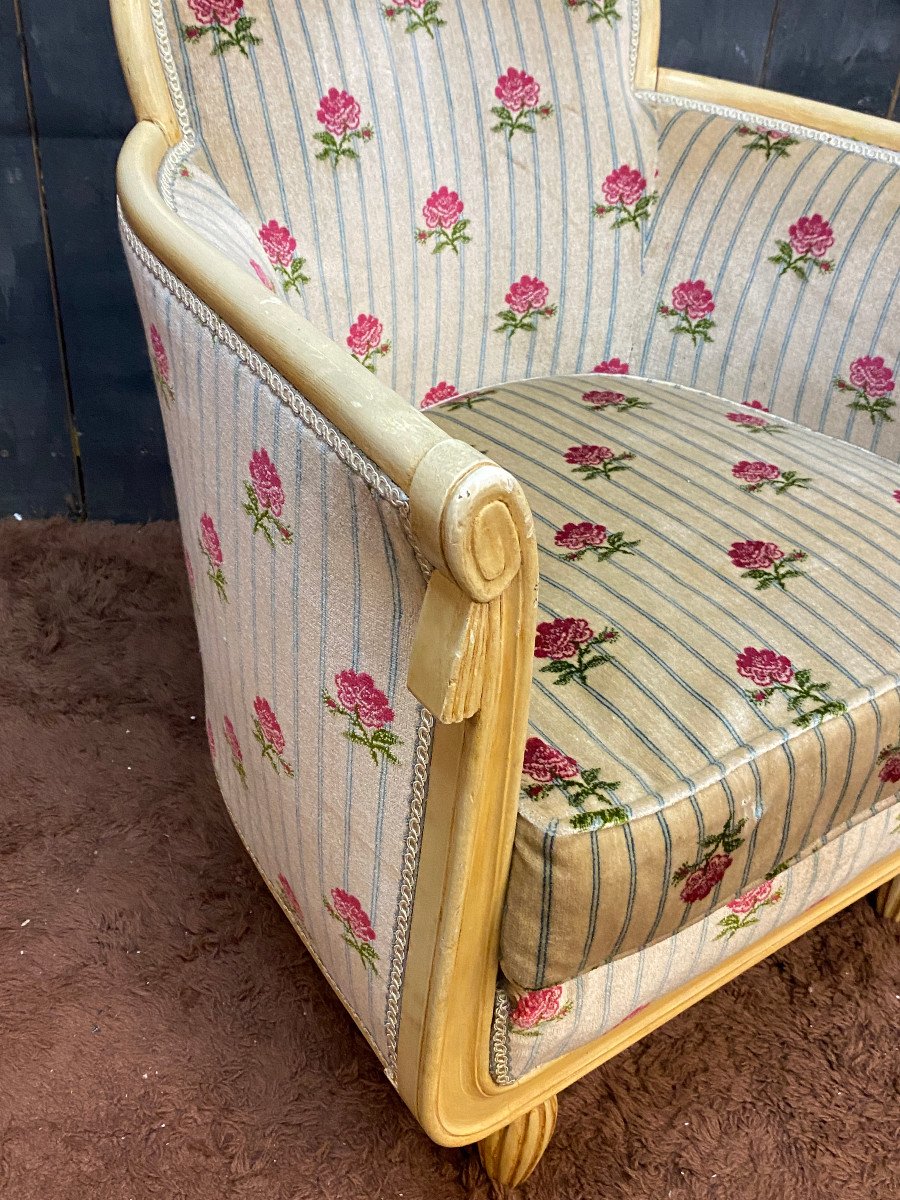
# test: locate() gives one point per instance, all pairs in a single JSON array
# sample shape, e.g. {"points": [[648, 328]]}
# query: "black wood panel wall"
{"points": [[79, 428]]}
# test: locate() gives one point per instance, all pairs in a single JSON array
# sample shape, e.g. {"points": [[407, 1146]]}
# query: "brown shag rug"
{"points": [[164, 1034]]}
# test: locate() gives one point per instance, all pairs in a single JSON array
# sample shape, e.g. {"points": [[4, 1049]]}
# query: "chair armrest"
{"points": [[436, 471]]}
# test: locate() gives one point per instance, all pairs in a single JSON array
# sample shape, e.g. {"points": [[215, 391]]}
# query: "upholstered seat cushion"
{"points": [[717, 664]]}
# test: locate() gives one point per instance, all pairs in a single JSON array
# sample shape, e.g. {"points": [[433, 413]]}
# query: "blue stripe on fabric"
{"points": [[300, 145]]}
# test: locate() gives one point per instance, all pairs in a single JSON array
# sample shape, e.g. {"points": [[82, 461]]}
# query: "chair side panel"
{"points": [[306, 591]]}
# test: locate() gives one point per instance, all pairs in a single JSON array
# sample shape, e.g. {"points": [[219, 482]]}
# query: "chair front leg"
{"points": [[887, 899], [511, 1154]]}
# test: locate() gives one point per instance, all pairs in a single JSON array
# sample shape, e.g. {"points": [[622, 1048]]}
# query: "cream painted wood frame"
{"points": [[472, 657]]}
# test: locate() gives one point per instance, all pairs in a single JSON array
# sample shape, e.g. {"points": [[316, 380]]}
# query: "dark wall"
{"points": [[79, 427]]}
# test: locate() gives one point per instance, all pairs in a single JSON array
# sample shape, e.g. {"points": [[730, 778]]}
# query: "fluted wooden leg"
{"points": [[512, 1153], [887, 899]]}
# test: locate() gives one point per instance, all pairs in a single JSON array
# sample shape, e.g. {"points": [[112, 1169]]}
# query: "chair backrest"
{"points": [[456, 190]]}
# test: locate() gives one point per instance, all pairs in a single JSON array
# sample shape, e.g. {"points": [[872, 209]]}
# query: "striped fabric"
{"points": [[428, 143], [788, 336], [476, 194], [201, 203], [536, 1028], [306, 592], [717, 663]]}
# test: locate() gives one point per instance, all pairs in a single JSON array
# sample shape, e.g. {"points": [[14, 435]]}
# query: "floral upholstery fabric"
{"points": [[477, 193], [428, 196], [772, 274], [306, 593], [717, 663], [201, 203], [533, 1028]]}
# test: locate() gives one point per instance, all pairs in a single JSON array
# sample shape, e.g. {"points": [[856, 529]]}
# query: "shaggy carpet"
{"points": [[164, 1034]]}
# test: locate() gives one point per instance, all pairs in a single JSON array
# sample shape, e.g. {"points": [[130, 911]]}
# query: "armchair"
{"points": [[550, 642]]}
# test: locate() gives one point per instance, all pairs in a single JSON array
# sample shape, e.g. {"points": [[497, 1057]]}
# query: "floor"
{"points": [[164, 1034]]}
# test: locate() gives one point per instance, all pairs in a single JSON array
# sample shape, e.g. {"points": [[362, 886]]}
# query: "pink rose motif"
{"points": [[747, 419], [365, 334], [216, 12], [625, 192], [443, 209], [209, 539], [535, 1007], [767, 563], [611, 366], [544, 763], [269, 723], [232, 739], [517, 90], [267, 731], [562, 637], [614, 400], [261, 275], [896, 495], [871, 383], [338, 112], [364, 340], [358, 932], [280, 246], [290, 896], [749, 556], [443, 213], [357, 692], [526, 294], [237, 755], [278, 243], [693, 298], [604, 399], [526, 300], [592, 461], [890, 771], [265, 499], [159, 353], [764, 667], [811, 236], [755, 472], [581, 536], [808, 240], [420, 14], [772, 142], [266, 482], [210, 737], [748, 901], [519, 94], [225, 19], [440, 391], [755, 404], [871, 376], [369, 713], [692, 303], [702, 881], [624, 185], [588, 456], [349, 910]]}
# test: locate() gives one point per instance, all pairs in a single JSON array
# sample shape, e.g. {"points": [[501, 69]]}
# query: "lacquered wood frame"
{"points": [[472, 657]]}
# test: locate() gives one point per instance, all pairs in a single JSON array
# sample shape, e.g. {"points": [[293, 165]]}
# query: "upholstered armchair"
{"points": [[531, 412]]}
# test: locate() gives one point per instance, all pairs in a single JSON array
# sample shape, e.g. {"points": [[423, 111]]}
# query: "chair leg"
{"points": [[887, 899], [512, 1153]]}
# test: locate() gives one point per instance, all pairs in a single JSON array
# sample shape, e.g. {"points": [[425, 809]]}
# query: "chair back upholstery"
{"points": [[456, 190]]}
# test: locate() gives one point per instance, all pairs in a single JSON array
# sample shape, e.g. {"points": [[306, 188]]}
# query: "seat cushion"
{"points": [[717, 666]]}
